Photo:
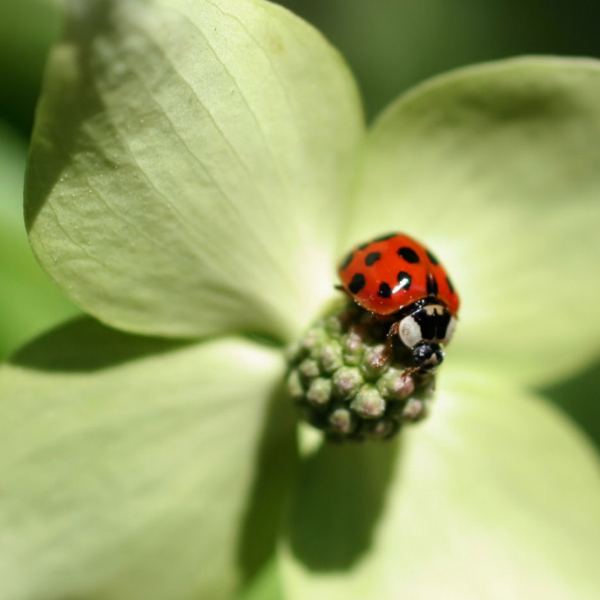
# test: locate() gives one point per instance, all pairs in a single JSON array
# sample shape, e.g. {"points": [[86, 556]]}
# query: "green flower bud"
{"points": [[368, 403], [333, 325], [313, 341], [294, 385], [373, 362], [395, 385], [309, 368], [413, 410], [346, 383], [342, 421], [319, 391], [382, 428], [353, 347], [331, 358]]}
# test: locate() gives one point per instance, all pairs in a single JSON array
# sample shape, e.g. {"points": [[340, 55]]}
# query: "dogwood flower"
{"points": [[196, 171]]}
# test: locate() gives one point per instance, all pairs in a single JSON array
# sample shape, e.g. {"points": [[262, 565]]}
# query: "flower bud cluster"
{"points": [[341, 384]]}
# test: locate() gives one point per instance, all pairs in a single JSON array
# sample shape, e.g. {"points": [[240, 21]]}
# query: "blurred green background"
{"points": [[390, 44]]}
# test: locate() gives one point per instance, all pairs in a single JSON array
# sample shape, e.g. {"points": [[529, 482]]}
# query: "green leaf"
{"points": [[134, 467], [497, 169], [189, 165], [27, 29], [496, 496], [29, 302]]}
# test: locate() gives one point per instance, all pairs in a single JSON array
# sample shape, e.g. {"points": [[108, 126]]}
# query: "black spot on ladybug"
{"points": [[408, 254], [383, 238], [372, 258], [432, 257], [449, 282], [347, 261], [404, 281], [357, 283], [385, 291], [432, 286]]}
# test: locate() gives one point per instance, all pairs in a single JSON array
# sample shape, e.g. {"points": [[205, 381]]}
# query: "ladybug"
{"points": [[397, 279]]}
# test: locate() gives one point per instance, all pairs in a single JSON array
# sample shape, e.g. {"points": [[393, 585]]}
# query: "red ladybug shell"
{"points": [[394, 271]]}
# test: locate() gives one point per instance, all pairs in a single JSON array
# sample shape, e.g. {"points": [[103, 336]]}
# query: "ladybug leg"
{"points": [[393, 332], [389, 344], [410, 371]]}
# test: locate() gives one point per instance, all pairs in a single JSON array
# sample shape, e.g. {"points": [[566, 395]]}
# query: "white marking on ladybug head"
{"points": [[409, 332], [434, 309], [450, 330], [433, 360]]}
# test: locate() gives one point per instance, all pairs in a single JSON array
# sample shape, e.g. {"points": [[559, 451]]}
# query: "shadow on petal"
{"points": [[274, 462], [275, 467], [132, 466], [341, 494], [110, 348], [578, 397]]}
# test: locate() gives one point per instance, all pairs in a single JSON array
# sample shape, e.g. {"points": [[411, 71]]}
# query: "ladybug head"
{"points": [[427, 356], [423, 329]]}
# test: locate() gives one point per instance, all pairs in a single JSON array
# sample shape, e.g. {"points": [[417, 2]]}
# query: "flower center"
{"points": [[353, 382]]}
